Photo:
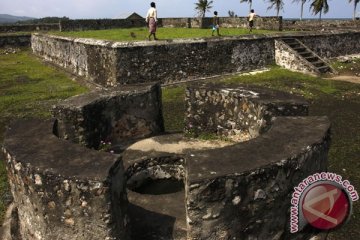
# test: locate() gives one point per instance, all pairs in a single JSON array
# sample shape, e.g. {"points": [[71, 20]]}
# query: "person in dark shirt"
{"points": [[216, 24]]}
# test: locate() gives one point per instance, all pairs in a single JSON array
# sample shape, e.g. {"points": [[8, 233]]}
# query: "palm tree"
{"points": [[355, 5], [231, 13], [249, 1], [319, 6], [302, 7], [203, 6], [278, 4]]}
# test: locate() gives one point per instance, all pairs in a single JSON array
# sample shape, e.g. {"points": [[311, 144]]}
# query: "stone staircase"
{"points": [[319, 64]]}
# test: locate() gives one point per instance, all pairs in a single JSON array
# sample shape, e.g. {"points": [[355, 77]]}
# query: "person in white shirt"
{"points": [[251, 18], [151, 19]]}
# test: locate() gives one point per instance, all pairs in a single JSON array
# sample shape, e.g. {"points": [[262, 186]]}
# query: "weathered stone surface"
{"points": [[266, 23], [269, 23], [114, 63], [111, 64], [233, 109], [241, 191], [324, 24], [99, 24], [333, 44], [85, 57], [23, 40], [160, 214], [248, 197], [8, 28], [118, 115], [288, 58], [63, 190]]}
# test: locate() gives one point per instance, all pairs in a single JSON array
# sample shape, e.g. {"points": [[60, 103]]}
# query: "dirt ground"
{"points": [[346, 78]]}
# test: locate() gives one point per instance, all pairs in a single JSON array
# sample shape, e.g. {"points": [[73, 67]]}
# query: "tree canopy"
{"points": [[277, 4], [203, 6], [319, 6]]}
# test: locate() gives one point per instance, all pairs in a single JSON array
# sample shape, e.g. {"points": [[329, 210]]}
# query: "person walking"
{"points": [[251, 18], [151, 20], [216, 24]]}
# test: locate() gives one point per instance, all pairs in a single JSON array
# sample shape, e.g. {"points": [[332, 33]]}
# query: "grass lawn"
{"points": [[28, 88], [348, 67], [140, 34]]}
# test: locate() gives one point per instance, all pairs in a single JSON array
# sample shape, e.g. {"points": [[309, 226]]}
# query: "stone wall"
{"points": [[333, 44], [118, 116], [268, 23], [15, 40], [185, 59], [111, 64], [114, 63], [29, 27], [178, 22], [85, 57], [99, 24], [241, 190], [325, 24], [63, 190], [264, 23], [237, 109], [288, 58], [248, 197]]}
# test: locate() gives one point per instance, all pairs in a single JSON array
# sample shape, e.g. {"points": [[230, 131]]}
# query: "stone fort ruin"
{"points": [[170, 186]]}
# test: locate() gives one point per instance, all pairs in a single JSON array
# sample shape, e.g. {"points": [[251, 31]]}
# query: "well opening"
{"points": [[156, 176], [159, 186], [156, 193], [155, 180]]}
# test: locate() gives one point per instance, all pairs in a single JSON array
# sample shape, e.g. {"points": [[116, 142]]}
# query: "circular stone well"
{"points": [[233, 190]]}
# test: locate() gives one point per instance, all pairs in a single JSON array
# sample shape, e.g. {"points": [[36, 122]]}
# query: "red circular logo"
{"points": [[325, 206]]}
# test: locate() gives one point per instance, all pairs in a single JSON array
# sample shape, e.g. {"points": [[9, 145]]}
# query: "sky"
{"points": [[91, 9]]}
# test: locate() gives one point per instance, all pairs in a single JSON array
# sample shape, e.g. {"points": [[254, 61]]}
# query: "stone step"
{"points": [[288, 40], [306, 55], [312, 58], [294, 45], [323, 69], [319, 64], [300, 49]]}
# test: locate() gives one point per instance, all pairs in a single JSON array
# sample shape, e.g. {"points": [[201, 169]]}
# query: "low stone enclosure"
{"points": [[18, 40], [114, 63], [167, 186], [327, 24], [266, 23]]}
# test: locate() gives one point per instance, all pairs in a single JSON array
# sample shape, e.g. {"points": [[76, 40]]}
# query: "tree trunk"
{"points": [[320, 15], [250, 3], [302, 11], [354, 14]]}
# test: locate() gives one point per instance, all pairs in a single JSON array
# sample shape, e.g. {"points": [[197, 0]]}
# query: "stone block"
{"points": [[119, 115], [248, 197], [229, 110], [63, 190]]}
